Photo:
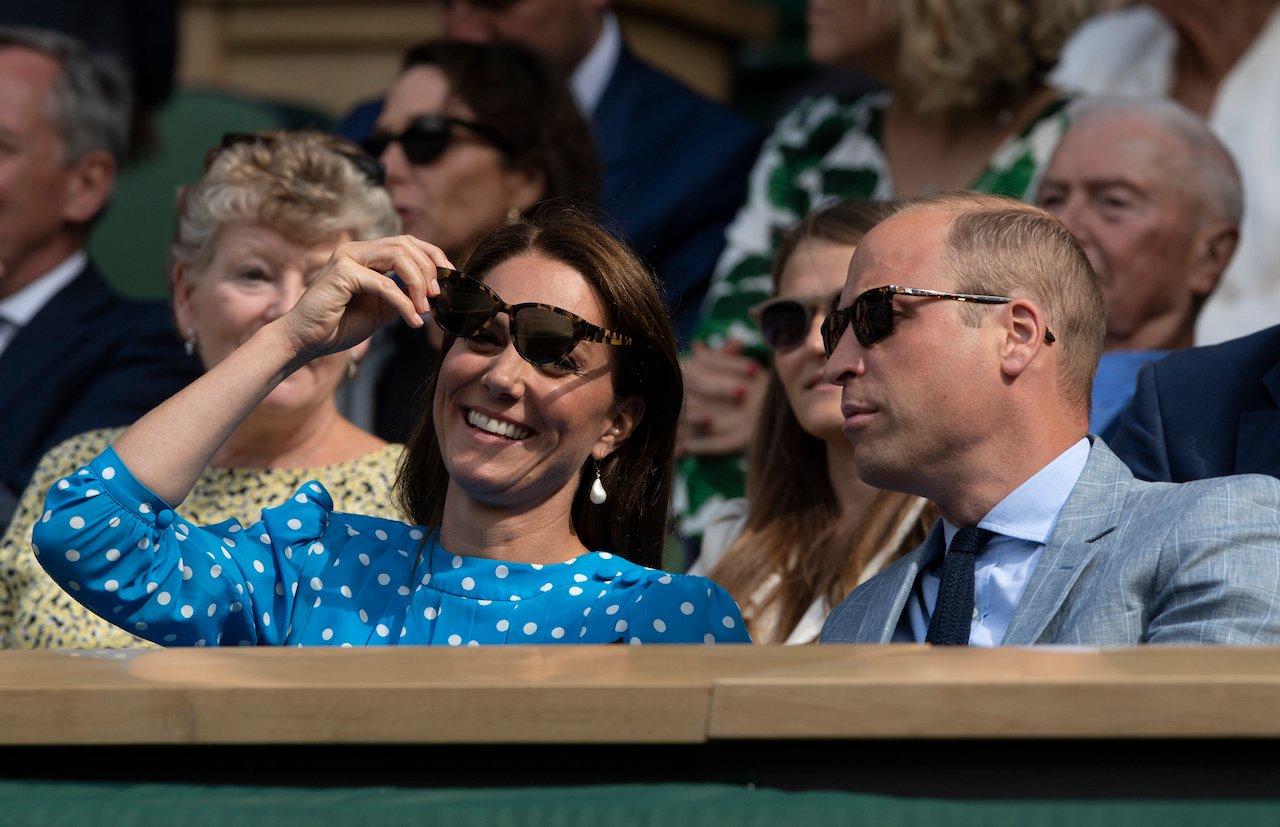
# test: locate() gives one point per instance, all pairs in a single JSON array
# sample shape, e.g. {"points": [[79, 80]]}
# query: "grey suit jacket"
{"points": [[1128, 562]]}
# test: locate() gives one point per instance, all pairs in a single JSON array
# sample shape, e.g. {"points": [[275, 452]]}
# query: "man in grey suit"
{"points": [[965, 343]]}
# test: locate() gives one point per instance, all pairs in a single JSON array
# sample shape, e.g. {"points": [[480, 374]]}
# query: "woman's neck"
{"points": [[931, 152], [1211, 40], [296, 439], [541, 534]]}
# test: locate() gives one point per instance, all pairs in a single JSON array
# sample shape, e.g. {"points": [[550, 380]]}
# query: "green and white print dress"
{"points": [[826, 148]]}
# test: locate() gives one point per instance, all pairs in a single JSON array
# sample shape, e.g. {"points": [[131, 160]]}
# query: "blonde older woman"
{"points": [[251, 236]]}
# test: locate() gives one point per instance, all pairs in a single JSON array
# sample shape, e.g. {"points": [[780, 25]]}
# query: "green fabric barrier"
{"points": [[659, 805]]}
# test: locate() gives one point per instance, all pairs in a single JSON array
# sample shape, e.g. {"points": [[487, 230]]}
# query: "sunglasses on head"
{"points": [[785, 322], [542, 334], [427, 137], [871, 314], [368, 165]]}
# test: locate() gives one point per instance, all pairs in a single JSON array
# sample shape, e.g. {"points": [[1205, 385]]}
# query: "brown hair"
{"points": [[522, 98], [633, 521], [794, 527]]}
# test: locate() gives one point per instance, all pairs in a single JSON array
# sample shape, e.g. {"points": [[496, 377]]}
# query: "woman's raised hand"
{"points": [[353, 295]]}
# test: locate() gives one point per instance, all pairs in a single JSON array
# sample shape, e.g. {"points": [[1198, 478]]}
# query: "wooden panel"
{"points": [[914, 692], [517, 694], [616, 694]]}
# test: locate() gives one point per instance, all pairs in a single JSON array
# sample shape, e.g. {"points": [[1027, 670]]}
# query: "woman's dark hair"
{"points": [[633, 521], [528, 103]]}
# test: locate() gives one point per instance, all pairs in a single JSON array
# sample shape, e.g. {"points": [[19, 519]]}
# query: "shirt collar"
{"points": [[1031, 510], [592, 74], [22, 307]]}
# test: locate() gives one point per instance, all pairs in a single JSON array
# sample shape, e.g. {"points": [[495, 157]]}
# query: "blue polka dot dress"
{"points": [[307, 575]]}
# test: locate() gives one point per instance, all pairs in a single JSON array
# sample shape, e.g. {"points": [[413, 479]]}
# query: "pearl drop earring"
{"points": [[598, 494]]}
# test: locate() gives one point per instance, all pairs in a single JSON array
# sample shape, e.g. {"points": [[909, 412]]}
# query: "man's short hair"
{"points": [[92, 99], [1003, 247]]}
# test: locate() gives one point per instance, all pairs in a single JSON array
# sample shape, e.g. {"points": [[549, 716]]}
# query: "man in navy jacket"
{"points": [[675, 164], [1206, 412], [73, 355]]}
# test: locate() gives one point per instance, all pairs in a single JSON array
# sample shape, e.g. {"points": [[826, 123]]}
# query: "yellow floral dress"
{"points": [[35, 613]]}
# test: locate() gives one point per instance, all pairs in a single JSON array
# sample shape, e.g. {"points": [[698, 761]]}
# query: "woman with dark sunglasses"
{"points": [[808, 530], [472, 137], [537, 476]]}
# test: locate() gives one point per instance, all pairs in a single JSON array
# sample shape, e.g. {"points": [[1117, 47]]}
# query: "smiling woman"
{"points": [[558, 376]]}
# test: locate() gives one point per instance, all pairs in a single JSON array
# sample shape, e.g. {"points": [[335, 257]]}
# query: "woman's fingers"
{"points": [[425, 259], [713, 376], [357, 292], [412, 260]]}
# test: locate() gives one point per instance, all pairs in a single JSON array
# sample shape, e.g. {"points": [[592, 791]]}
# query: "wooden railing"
{"points": [[658, 694]]}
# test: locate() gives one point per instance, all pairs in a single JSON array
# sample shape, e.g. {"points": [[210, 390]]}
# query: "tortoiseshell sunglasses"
{"points": [[542, 334], [871, 314]]}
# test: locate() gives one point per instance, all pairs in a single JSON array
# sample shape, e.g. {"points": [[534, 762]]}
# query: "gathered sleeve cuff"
{"points": [[132, 559]]}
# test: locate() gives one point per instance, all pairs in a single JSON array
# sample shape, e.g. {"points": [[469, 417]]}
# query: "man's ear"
{"points": [[1025, 332], [626, 416], [1214, 247], [92, 179]]}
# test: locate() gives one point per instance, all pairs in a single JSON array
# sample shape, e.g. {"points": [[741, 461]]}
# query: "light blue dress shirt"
{"points": [[1022, 523]]}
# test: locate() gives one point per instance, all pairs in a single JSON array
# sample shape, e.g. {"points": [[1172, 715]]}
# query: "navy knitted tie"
{"points": [[953, 611]]}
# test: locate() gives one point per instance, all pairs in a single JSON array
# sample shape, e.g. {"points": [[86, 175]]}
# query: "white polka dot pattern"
{"points": [[377, 587]]}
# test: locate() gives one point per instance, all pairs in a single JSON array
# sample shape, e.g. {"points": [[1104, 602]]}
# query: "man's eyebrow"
{"points": [[1111, 181]]}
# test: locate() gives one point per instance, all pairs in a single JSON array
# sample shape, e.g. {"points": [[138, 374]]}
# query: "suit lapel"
{"points": [[1258, 437], [50, 334], [1092, 511], [886, 607]]}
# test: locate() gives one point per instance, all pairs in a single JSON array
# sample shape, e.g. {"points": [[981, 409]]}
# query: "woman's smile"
{"points": [[494, 425]]}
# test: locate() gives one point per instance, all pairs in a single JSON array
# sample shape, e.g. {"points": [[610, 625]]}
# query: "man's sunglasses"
{"points": [[871, 314], [542, 334], [368, 165], [427, 137], [784, 323]]}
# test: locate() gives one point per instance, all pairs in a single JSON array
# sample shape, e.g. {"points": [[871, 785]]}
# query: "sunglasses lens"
{"points": [[873, 317], [423, 144], [375, 145], [833, 328], [544, 337], [463, 307], [784, 325]]}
